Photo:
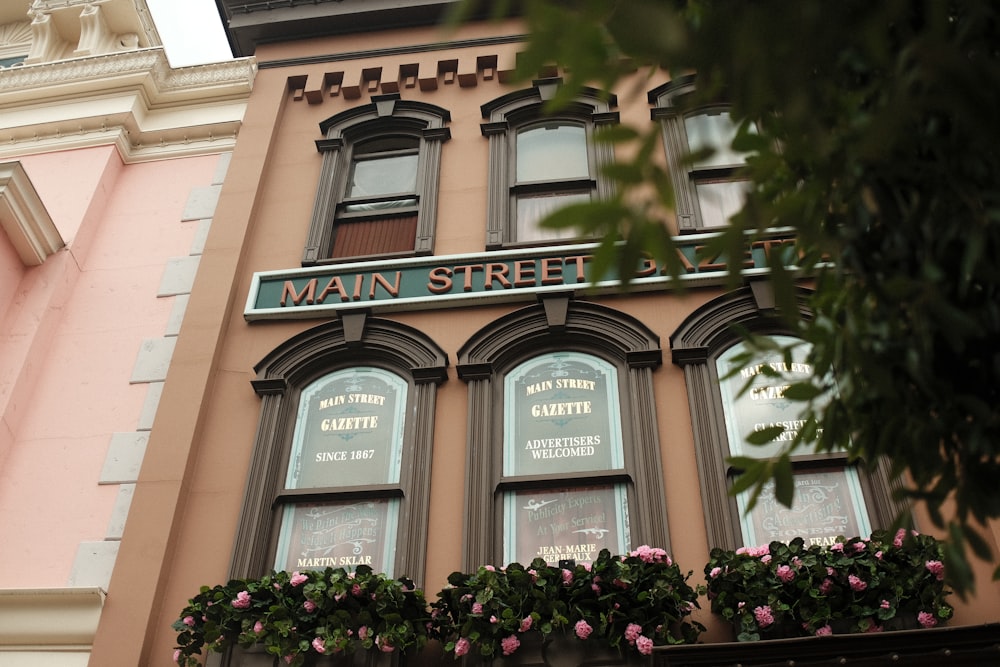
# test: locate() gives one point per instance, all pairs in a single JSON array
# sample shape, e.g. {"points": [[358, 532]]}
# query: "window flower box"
{"points": [[886, 582], [300, 619]]}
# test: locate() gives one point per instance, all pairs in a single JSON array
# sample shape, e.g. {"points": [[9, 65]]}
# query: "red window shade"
{"points": [[374, 236]]}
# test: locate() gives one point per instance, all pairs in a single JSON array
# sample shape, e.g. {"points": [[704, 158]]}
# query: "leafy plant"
{"points": [[292, 615], [855, 585], [628, 602]]}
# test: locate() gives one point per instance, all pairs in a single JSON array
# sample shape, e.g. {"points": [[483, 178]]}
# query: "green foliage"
{"points": [[300, 614], [482, 610], [876, 143], [856, 585]]}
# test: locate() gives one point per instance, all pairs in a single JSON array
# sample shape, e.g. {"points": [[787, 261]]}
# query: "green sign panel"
{"points": [[456, 280]]}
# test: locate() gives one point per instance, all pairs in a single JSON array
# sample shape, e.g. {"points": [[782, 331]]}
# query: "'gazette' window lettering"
{"points": [[828, 501], [349, 430], [340, 474], [540, 162], [831, 495], [563, 456]]}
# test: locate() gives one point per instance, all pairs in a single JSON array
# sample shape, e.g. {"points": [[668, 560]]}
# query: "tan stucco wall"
{"points": [[188, 498]]}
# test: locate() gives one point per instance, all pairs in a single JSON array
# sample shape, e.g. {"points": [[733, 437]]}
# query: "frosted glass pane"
{"points": [[720, 200], [714, 131], [552, 152], [533, 209], [383, 176]]}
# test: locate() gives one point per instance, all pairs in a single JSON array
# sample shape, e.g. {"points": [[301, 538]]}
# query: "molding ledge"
{"points": [[25, 219], [43, 617], [134, 100]]}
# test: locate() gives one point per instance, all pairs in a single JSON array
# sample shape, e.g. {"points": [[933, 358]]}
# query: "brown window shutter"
{"points": [[374, 236]]}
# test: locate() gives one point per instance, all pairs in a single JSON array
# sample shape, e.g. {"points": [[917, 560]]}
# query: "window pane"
{"points": [[713, 131], [565, 524], [532, 209], [552, 152], [720, 201], [827, 503], [314, 536], [373, 177], [562, 415], [763, 404], [349, 430]]}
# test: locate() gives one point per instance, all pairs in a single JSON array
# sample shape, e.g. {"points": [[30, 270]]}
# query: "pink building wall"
{"points": [[71, 333]]}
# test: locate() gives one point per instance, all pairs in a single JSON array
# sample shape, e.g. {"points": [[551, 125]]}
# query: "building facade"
{"points": [[110, 166], [385, 360]]}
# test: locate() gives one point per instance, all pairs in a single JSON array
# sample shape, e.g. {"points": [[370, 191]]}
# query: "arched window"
{"points": [[563, 446], [540, 162], [379, 181], [832, 495], [708, 188], [340, 470]]}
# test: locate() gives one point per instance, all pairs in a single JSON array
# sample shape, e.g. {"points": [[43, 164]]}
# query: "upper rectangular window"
{"points": [[705, 170], [379, 181], [541, 162]]}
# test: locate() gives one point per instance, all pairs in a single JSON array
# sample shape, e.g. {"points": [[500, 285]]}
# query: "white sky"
{"points": [[191, 31]]}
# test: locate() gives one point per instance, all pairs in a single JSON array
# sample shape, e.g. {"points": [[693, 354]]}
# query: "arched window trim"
{"points": [[353, 340], [558, 324], [695, 345], [386, 115], [513, 111], [669, 110]]}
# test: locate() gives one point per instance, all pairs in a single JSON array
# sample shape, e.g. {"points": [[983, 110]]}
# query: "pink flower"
{"points": [[177, 655], [242, 600], [785, 573], [526, 624], [825, 630], [298, 579], [567, 577], [534, 575], [384, 646], [766, 558], [644, 644], [900, 536], [462, 646], [878, 554], [936, 568], [926, 620], [258, 628], [716, 571], [509, 644], [289, 658], [490, 568], [356, 590], [309, 606], [857, 584], [859, 546], [494, 620], [363, 632], [319, 645], [648, 554], [582, 629], [477, 608], [837, 546], [632, 632], [596, 588], [189, 621], [885, 604], [826, 586], [763, 615]]}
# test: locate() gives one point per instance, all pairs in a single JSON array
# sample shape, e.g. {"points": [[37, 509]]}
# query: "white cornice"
{"points": [[40, 617], [28, 225], [149, 109]]}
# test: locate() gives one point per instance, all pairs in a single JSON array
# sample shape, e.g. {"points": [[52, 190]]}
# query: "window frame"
{"points": [[695, 346], [558, 324], [509, 114], [353, 340], [672, 112], [387, 115]]}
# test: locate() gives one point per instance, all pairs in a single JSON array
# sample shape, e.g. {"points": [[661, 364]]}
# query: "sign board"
{"points": [[565, 524], [315, 536], [459, 280]]}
